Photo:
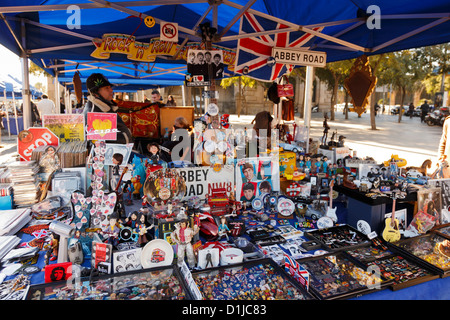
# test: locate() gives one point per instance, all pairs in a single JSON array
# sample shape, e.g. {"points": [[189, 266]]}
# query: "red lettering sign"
{"points": [[30, 139]]}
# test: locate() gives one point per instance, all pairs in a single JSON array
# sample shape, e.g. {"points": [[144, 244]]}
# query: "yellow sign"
{"points": [[147, 52], [136, 51], [67, 127]]}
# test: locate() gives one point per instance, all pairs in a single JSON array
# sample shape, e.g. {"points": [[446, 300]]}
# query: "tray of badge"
{"points": [[427, 249], [403, 271], [251, 280], [161, 283], [356, 238], [443, 230], [336, 276]]}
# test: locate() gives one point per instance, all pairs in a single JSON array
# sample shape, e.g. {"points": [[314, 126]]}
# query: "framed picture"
{"points": [[112, 148], [429, 202], [444, 185], [256, 177], [428, 212], [401, 216]]}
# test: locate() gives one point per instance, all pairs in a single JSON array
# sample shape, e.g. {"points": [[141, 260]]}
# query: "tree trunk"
{"points": [[346, 105], [334, 97], [403, 91], [372, 111]]}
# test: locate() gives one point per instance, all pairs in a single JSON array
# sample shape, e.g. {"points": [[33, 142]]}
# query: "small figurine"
{"points": [[54, 245], [223, 228], [326, 127], [137, 185], [132, 220], [325, 164], [308, 163], [153, 149], [49, 160], [301, 161], [142, 229], [182, 235], [111, 233], [117, 160], [126, 191], [318, 165]]}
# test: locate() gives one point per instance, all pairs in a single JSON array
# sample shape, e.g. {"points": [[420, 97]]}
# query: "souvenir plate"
{"points": [[157, 253]]}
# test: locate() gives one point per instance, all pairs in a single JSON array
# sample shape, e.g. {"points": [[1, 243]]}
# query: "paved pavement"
{"points": [[8, 149], [409, 139]]}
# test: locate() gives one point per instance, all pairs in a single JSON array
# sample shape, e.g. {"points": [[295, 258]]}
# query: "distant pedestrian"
{"points": [[171, 101], [425, 109], [411, 110], [46, 106]]}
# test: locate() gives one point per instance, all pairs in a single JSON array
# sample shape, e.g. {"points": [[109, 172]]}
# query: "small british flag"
{"points": [[253, 56]]}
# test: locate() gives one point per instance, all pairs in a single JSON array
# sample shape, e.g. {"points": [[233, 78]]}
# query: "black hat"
{"points": [[96, 81]]}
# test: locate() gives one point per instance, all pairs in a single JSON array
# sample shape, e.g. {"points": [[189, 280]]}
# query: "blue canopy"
{"points": [[342, 29]]}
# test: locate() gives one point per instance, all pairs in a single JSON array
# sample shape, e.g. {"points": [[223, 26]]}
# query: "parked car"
{"points": [[395, 109]]}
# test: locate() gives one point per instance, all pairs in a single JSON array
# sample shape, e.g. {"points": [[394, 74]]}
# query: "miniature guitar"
{"points": [[391, 232], [331, 213], [121, 177]]}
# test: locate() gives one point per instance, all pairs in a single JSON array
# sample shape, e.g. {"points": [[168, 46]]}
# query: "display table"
{"points": [[12, 124], [361, 207]]}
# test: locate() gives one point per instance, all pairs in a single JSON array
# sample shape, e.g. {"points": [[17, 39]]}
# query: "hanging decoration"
{"points": [[360, 84]]}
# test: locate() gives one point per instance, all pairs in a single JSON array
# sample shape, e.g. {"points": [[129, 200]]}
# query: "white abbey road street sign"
{"points": [[299, 57]]}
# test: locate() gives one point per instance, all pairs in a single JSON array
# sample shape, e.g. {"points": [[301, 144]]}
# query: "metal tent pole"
{"points": [[26, 109], [308, 102]]}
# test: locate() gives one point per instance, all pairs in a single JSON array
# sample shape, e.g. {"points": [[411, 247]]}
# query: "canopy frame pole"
{"points": [[7, 113], [308, 102], [298, 27], [237, 17], [26, 99], [411, 33]]}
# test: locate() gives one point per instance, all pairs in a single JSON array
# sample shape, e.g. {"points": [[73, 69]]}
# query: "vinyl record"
{"points": [[125, 234]]}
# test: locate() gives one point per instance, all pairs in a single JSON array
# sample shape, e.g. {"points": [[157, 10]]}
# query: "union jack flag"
{"points": [[255, 52]]}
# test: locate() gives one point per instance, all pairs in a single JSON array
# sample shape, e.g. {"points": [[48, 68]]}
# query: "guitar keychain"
{"points": [[331, 212], [391, 232]]}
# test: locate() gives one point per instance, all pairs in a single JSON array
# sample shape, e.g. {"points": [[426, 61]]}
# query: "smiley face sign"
{"points": [[149, 21]]}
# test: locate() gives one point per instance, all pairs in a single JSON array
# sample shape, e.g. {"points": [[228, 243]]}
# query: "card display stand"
{"points": [[336, 276], [255, 280], [399, 271], [165, 283], [338, 238], [432, 249]]}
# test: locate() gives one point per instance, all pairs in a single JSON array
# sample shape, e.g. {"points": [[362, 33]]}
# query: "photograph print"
{"points": [[205, 65]]}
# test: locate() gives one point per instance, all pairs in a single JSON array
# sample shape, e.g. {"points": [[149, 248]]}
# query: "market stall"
{"points": [[223, 205]]}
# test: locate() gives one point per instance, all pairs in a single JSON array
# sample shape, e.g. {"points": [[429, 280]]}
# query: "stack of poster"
{"points": [[71, 154], [24, 183], [7, 243]]}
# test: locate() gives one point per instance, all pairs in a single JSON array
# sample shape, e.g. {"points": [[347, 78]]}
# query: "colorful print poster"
{"points": [[256, 177], [101, 126], [67, 127]]}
